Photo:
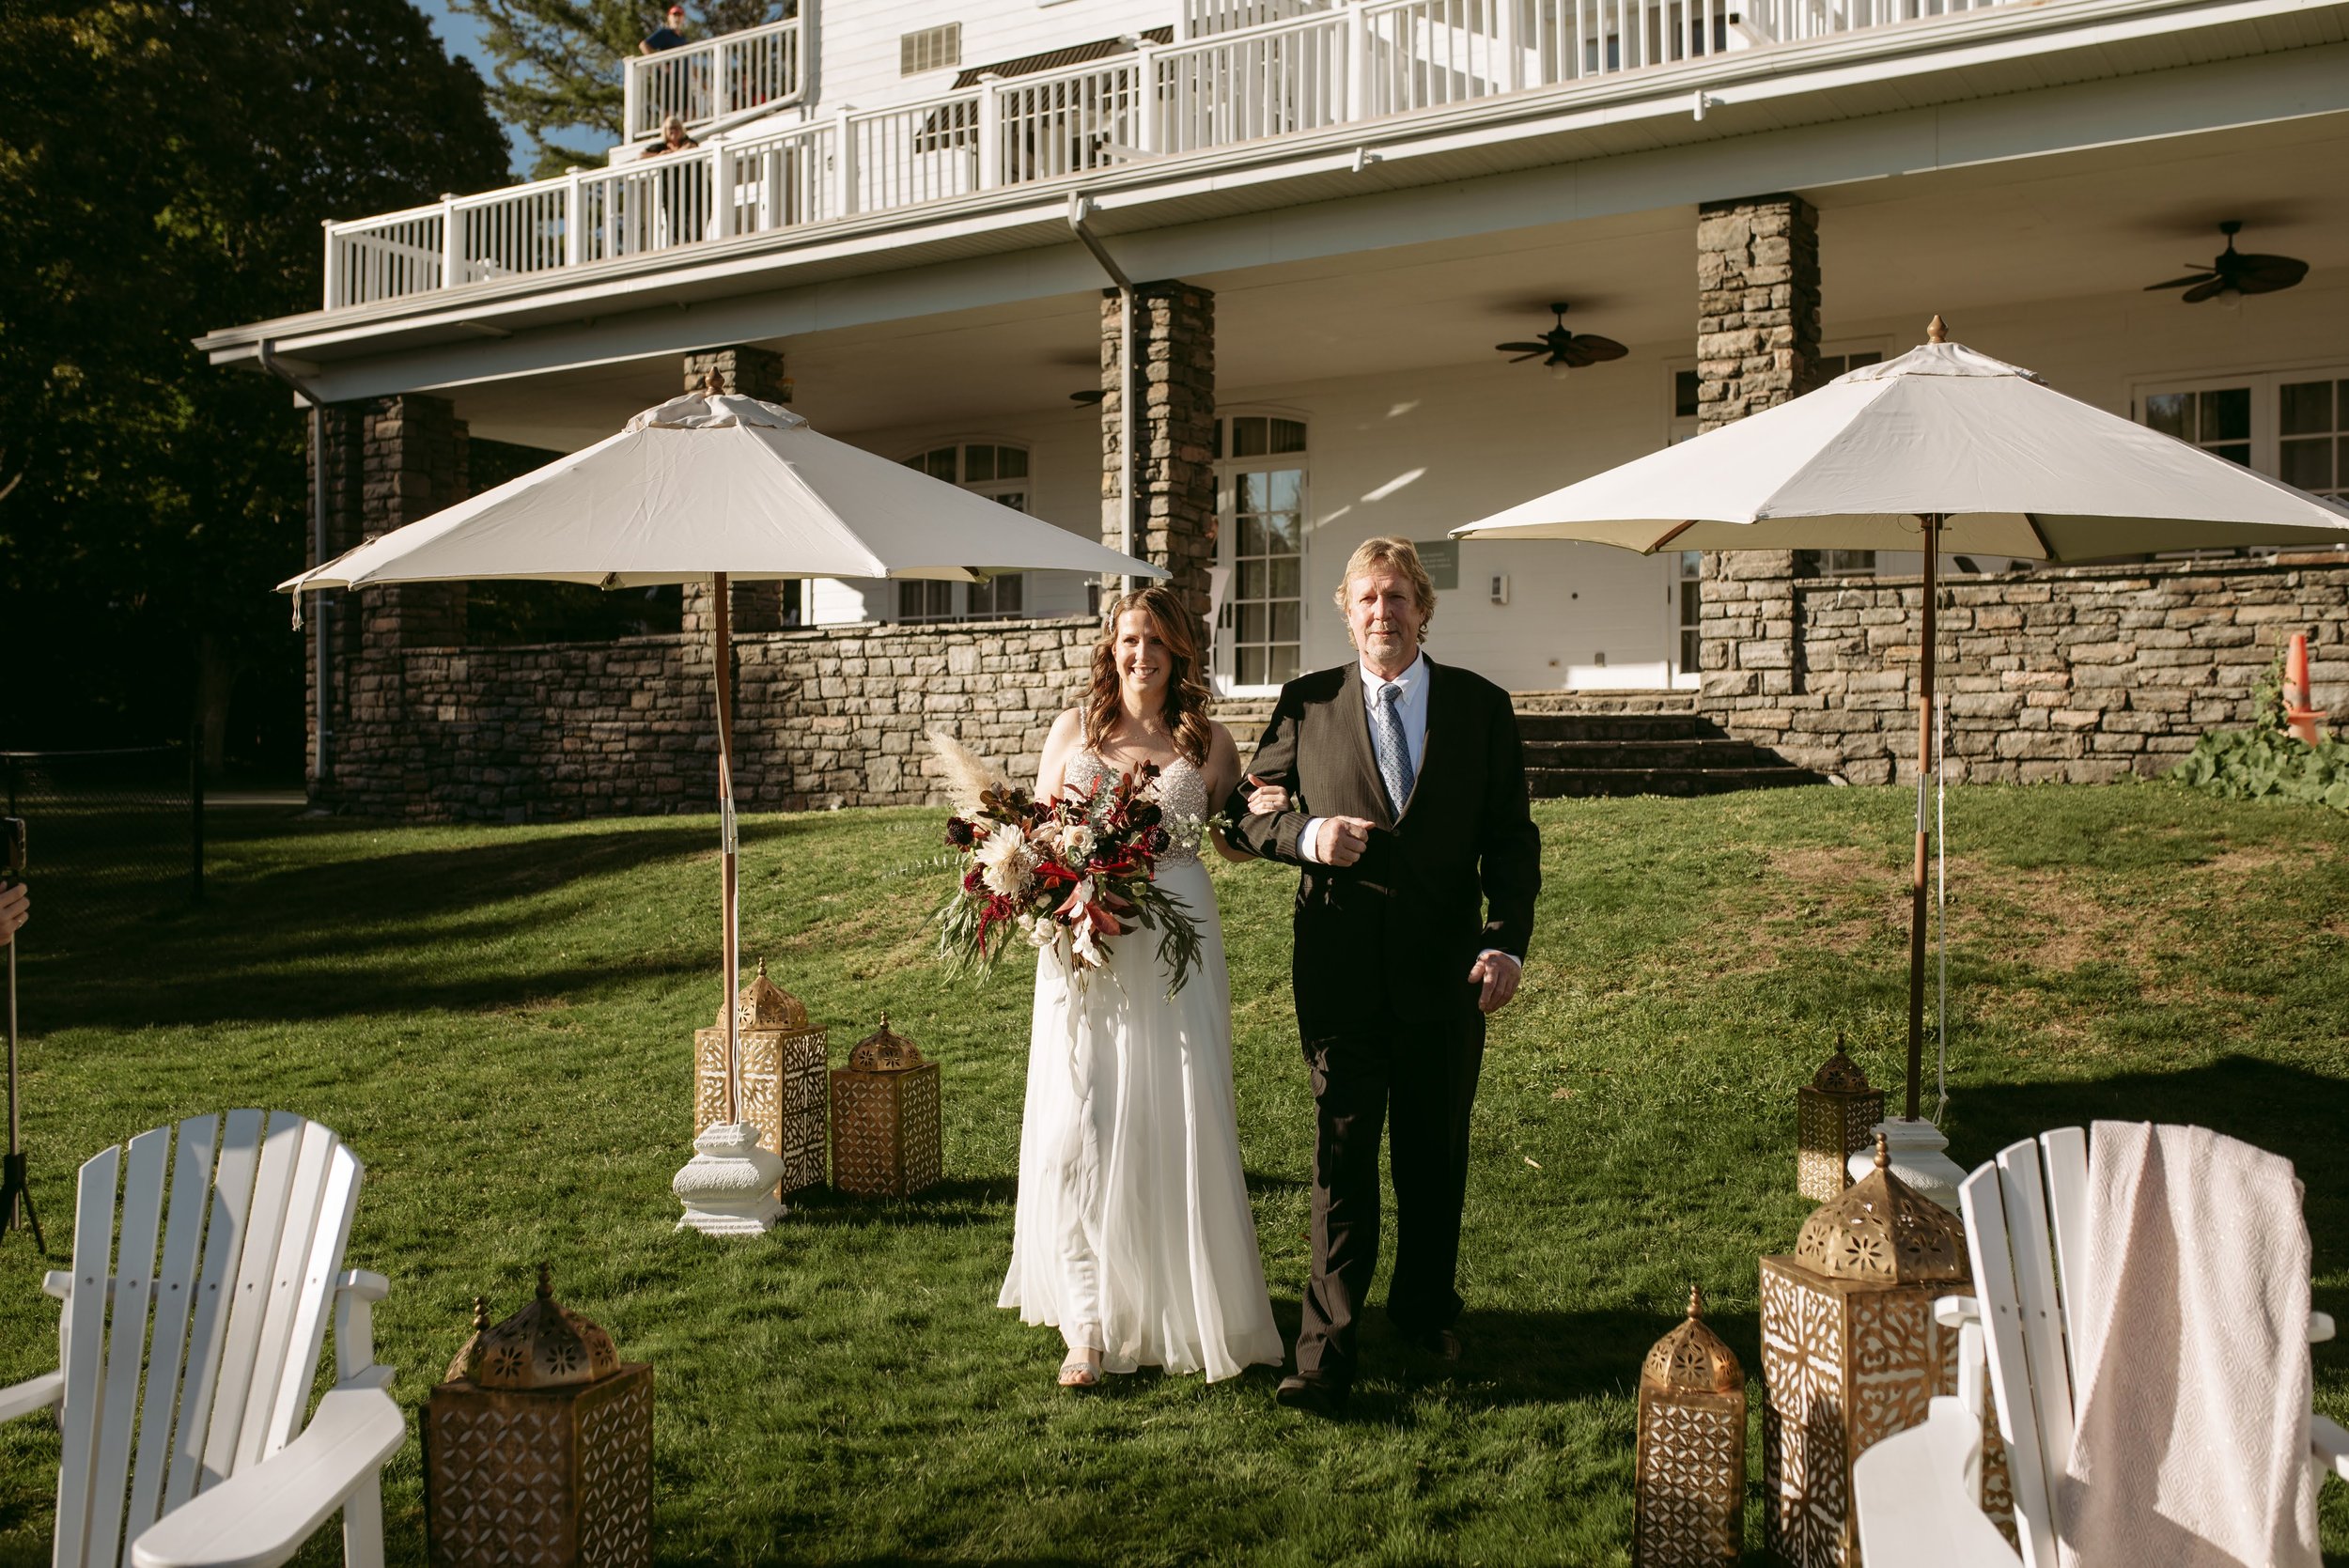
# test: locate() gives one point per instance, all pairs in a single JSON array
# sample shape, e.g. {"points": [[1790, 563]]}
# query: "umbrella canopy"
{"points": [[2012, 466], [1941, 449], [708, 484]]}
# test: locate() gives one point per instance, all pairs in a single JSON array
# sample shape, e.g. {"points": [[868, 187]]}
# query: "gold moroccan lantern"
{"points": [[1851, 1354], [537, 1448], [783, 1063], [885, 1118], [1688, 1501], [1835, 1116]]}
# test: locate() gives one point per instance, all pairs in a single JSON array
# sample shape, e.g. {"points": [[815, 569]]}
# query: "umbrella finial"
{"points": [[714, 385], [1937, 331]]}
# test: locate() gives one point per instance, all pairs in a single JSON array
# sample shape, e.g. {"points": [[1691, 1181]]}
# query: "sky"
{"points": [[460, 35]]}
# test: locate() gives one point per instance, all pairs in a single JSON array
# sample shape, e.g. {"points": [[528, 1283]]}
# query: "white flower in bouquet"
{"points": [[1004, 861], [1041, 933], [1076, 841]]}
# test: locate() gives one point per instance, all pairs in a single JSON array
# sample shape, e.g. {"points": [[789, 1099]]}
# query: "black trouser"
{"points": [[1420, 1079]]}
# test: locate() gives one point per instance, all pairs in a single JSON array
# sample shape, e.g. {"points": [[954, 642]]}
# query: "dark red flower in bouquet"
{"points": [[1156, 841], [959, 833], [1144, 813]]}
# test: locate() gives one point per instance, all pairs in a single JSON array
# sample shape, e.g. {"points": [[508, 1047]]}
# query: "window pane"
{"points": [[1288, 435], [1286, 489], [1009, 592], [1016, 499], [2171, 413], [2308, 409], [1285, 623], [1011, 463], [1831, 366], [1251, 666], [2227, 414], [1692, 564], [1252, 580], [978, 464], [1284, 576], [1281, 533], [2308, 463], [1251, 623], [1684, 395], [1255, 492], [1251, 535], [1248, 437], [940, 463], [1282, 663], [1853, 362], [2234, 454]]}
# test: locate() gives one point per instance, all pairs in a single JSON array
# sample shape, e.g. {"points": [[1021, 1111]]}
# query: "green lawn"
{"points": [[499, 1021]]}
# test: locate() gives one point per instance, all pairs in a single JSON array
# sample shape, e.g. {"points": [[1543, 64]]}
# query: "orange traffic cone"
{"points": [[2298, 716]]}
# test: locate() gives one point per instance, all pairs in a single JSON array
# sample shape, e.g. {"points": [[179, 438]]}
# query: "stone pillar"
{"points": [[745, 372], [413, 456], [1173, 491], [1757, 346]]}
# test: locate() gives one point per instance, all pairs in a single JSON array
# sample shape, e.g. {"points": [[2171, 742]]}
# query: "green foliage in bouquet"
{"points": [[2267, 761]]}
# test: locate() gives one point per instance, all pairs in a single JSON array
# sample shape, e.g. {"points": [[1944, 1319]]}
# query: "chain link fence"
{"points": [[110, 835]]}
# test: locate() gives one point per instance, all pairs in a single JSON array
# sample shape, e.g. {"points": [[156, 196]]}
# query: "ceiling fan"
{"points": [[2233, 273], [1090, 397], [1565, 350]]}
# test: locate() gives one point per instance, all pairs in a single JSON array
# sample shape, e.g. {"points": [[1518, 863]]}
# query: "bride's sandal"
{"points": [[1082, 1370]]}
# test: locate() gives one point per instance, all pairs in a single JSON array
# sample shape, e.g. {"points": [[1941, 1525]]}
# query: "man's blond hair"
{"points": [[1395, 556]]}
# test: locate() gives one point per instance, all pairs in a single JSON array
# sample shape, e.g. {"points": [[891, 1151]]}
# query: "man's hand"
{"points": [[1343, 839], [15, 903], [1498, 973]]}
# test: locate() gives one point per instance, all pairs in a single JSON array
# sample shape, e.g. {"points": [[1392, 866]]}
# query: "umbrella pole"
{"points": [[1917, 872], [728, 883]]}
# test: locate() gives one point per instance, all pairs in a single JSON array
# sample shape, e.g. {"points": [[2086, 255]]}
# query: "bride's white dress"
{"points": [[1133, 1233]]}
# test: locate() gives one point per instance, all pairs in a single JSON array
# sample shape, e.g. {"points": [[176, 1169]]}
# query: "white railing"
{"points": [[1206, 18], [731, 74], [1361, 60]]}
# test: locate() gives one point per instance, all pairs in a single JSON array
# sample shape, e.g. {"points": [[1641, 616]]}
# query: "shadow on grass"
{"points": [[957, 1204]]}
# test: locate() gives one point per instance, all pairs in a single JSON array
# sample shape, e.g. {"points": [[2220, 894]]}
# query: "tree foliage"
{"points": [[557, 64], [166, 172]]}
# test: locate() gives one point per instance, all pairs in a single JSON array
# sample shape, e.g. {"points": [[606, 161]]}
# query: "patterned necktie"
{"points": [[1395, 754]]}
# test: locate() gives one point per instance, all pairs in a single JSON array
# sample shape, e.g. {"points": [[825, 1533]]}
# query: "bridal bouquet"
{"points": [[1072, 873]]}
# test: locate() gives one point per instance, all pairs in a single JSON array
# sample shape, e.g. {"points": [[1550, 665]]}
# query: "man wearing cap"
{"points": [[669, 35]]}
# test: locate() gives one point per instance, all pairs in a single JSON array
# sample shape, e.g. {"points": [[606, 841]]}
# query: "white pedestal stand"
{"points": [[728, 1187], [1915, 1153]]}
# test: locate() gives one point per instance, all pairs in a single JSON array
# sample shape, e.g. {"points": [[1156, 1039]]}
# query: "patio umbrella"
{"points": [[709, 488], [1942, 449]]}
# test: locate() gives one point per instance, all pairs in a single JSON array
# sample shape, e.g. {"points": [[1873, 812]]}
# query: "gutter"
{"points": [[1079, 221], [322, 768]]}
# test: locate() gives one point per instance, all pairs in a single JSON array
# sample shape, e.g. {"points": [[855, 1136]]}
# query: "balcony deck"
{"points": [[1364, 62]]}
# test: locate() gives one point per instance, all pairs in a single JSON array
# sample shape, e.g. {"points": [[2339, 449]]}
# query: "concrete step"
{"points": [[1549, 784], [1683, 752], [1647, 728]]}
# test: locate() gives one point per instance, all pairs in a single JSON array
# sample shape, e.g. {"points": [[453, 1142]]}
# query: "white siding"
{"points": [[857, 44]]}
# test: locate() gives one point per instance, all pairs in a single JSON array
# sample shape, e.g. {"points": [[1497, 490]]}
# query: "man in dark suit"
{"points": [[1407, 811]]}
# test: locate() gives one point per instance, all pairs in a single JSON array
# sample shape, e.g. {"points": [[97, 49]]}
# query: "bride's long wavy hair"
{"points": [[1187, 690]]}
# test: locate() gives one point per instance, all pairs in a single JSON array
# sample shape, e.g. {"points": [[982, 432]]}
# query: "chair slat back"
{"points": [[2064, 1154], [2022, 1182], [223, 1332], [1982, 1198]]}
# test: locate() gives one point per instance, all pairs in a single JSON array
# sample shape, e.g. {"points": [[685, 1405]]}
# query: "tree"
{"points": [[168, 168], [557, 64]]}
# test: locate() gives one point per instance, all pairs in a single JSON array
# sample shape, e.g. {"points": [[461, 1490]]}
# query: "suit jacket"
{"points": [[1454, 872]]}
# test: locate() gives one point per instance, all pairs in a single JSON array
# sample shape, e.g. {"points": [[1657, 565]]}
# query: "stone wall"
{"points": [[822, 717], [2080, 675]]}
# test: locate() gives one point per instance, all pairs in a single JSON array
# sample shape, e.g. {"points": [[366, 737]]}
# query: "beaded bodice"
{"points": [[1180, 790]]}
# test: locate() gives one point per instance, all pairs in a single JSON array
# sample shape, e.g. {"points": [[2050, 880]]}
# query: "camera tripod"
{"points": [[15, 1196]]}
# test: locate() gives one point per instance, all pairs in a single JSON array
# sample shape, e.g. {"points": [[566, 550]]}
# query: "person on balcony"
{"points": [[683, 207], [669, 35]]}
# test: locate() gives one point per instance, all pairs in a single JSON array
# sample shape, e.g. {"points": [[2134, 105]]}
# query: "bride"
{"points": [[1134, 1234]]}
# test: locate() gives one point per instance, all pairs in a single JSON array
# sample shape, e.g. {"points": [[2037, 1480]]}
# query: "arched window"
{"points": [[1260, 551], [985, 468]]}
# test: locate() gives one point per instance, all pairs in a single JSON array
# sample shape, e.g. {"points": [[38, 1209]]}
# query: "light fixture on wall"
{"points": [[1565, 350], [2233, 273]]}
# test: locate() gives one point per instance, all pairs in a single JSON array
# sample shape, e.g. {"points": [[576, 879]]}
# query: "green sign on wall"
{"points": [[1441, 557]]}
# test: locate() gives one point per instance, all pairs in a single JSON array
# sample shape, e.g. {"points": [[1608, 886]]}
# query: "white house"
{"points": [[919, 205]]}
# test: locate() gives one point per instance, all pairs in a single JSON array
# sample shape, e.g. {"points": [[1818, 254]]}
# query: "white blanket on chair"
{"points": [[2190, 1347]]}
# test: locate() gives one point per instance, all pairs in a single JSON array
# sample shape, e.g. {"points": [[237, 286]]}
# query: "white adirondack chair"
{"points": [[1917, 1491], [210, 1463]]}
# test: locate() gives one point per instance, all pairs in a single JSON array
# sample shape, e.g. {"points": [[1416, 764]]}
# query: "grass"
{"points": [[499, 1020]]}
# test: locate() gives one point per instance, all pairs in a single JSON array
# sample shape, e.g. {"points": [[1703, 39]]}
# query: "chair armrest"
{"points": [[261, 1516], [1914, 1504], [46, 1393], [2331, 1444], [1956, 1312], [57, 1284], [2320, 1328], [363, 1284]]}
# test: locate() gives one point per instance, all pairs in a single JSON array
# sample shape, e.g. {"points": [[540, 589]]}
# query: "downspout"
{"points": [[324, 769], [1080, 217]]}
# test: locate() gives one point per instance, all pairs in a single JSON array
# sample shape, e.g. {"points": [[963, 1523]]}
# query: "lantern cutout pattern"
{"points": [[1835, 1116], [1851, 1354], [1689, 1498], [886, 1129], [539, 1446], [782, 1078]]}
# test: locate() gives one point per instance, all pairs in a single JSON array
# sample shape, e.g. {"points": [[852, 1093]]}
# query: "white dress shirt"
{"points": [[1410, 711]]}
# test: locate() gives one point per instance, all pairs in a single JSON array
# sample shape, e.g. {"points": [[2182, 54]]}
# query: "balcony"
{"points": [[717, 79], [1363, 60]]}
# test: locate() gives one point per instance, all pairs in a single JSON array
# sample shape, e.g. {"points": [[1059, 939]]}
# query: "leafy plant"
{"points": [[2267, 761]]}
